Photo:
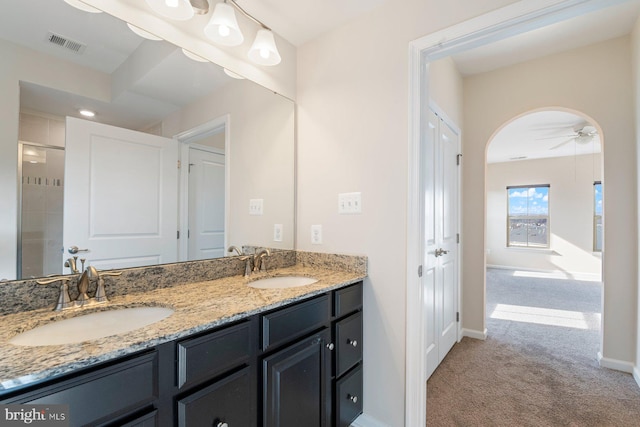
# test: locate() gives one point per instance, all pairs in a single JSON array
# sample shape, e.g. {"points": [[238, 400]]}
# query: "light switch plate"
{"points": [[350, 203], [256, 206], [316, 234]]}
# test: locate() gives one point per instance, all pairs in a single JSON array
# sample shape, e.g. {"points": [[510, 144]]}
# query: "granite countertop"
{"points": [[197, 307]]}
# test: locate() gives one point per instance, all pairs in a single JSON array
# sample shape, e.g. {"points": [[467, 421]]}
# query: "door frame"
{"points": [[502, 23], [186, 138]]}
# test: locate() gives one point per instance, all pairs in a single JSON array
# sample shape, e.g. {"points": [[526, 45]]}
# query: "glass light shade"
{"points": [[263, 50], [179, 10], [82, 6], [232, 74], [142, 33], [223, 27]]}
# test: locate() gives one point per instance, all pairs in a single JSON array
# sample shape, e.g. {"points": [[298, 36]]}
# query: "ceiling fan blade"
{"points": [[556, 137], [562, 143]]}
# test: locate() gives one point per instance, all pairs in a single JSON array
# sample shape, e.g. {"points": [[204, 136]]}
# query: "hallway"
{"points": [[538, 365]]}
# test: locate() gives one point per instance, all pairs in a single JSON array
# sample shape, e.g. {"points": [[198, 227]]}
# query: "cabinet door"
{"points": [[296, 391], [229, 401]]}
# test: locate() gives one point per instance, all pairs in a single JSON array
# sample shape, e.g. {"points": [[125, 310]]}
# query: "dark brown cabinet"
{"points": [[296, 384], [298, 365]]}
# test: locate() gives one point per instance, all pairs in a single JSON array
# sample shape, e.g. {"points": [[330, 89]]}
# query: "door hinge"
{"points": [[178, 234], [457, 316], [179, 164], [457, 237], [419, 271], [458, 159]]}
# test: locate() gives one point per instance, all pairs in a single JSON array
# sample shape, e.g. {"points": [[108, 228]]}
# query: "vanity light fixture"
{"points": [[179, 10], [223, 29], [142, 33], [82, 6], [263, 50], [87, 113]]}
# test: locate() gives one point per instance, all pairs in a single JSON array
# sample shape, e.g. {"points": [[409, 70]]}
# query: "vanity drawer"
{"points": [[292, 322], [348, 398], [230, 400], [104, 394], [348, 335], [348, 300], [204, 357]]}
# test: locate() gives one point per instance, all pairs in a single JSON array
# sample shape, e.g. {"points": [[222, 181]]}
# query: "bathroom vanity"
{"points": [[275, 357]]}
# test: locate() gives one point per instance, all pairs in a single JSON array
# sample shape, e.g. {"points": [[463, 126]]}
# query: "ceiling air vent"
{"points": [[66, 43]]}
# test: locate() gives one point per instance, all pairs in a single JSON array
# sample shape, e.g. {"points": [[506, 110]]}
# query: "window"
{"points": [[597, 216], [528, 216]]}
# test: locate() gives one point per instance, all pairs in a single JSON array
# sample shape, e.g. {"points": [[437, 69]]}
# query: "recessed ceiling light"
{"points": [[87, 113]]}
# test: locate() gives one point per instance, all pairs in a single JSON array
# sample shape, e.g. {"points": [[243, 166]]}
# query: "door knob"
{"points": [[74, 250], [440, 252]]}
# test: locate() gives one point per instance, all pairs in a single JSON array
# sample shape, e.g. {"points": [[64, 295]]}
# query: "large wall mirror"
{"points": [[181, 160]]}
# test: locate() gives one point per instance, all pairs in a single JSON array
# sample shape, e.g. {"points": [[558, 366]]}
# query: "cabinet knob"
{"points": [[221, 424], [354, 399], [352, 342], [330, 346]]}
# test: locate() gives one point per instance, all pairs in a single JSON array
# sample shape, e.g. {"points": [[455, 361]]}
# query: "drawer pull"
{"points": [[352, 342], [354, 399], [221, 424], [330, 346]]}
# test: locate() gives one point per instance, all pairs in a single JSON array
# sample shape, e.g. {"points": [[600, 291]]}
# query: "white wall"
{"points": [[635, 64], [446, 88], [595, 81], [261, 154], [26, 65], [571, 210], [352, 134]]}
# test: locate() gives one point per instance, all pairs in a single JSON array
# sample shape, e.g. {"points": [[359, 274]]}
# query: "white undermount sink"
{"points": [[279, 282], [91, 326]]}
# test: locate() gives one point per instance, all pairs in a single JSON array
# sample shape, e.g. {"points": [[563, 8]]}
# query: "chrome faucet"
{"points": [[258, 259], [65, 301]]}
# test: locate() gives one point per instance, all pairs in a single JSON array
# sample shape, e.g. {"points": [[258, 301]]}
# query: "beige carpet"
{"points": [[532, 372]]}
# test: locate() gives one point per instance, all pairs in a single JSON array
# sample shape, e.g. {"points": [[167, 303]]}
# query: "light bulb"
{"points": [[223, 30], [171, 3], [264, 53]]}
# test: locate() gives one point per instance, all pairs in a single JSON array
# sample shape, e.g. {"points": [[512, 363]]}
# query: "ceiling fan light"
{"points": [[179, 10], [263, 50], [223, 27]]}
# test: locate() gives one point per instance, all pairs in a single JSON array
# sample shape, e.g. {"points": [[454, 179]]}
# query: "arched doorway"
{"points": [[544, 229]]}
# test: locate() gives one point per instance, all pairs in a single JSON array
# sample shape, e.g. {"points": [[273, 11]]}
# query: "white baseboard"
{"points": [[478, 335], [617, 365], [365, 420], [636, 375]]}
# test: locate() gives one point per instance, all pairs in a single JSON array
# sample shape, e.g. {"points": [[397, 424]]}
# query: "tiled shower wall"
{"points": [[42, 194]]}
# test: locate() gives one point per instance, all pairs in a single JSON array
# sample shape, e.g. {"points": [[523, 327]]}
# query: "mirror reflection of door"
{"points": [[206, 203], [121, 195]]}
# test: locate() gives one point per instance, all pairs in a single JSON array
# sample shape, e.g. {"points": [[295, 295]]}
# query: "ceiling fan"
{"points": [[582, 135]]}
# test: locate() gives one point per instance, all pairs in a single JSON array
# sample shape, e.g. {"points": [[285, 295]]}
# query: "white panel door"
{"points": [[122, 194], [206, 204], [440, 272]]}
